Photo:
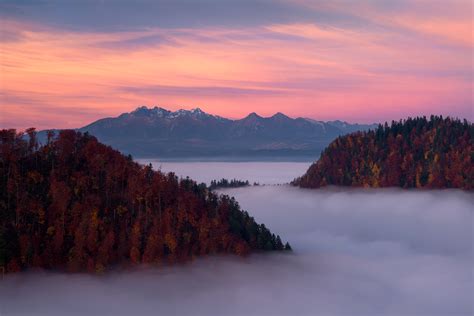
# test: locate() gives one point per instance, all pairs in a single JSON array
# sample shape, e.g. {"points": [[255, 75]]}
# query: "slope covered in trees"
{"points": [[415, 153], [75, 204]]}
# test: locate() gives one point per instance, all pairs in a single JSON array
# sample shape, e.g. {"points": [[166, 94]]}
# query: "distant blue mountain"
{"points": [[157, 132]]}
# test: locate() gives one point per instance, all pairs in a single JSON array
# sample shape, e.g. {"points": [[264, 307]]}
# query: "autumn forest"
{"points": [[74, 204], [413, 153]]}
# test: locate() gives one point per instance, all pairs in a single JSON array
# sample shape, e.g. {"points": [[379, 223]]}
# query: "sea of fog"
{"points": [[254, 171], [356, 252]]}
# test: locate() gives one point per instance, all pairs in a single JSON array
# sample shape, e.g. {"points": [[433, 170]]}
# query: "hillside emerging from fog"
{"points": [[414, 153], [78, 205], [157, 132]]}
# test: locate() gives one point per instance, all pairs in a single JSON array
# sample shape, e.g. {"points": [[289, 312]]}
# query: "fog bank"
{"points": [[356, 252], [255, 171]]}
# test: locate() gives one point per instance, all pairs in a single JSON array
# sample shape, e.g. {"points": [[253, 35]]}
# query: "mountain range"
{"points": [[157, 132]]}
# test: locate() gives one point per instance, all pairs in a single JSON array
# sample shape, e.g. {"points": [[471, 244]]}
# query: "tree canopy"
{"points": [[414, 153], [75, 204]]}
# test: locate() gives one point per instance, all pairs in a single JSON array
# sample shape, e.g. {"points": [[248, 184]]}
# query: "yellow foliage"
{"points": [[94, 219], [417, 178], [41, 216], [50, 231], [35, 176], [121, 210], [376, 183], [170, 242], [99, 268], [375, 170]]}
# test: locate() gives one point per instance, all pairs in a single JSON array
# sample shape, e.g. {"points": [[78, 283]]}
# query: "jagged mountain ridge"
{"points": [[158, 132]]}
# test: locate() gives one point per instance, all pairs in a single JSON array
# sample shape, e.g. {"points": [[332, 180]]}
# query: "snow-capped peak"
{"points": [[155, 111], [197, 111], [159, 112]]}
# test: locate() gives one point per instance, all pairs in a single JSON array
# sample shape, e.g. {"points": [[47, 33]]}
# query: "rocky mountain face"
{"points": [[157, 132]]}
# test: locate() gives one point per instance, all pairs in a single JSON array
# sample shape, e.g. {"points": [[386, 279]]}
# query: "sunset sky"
{"points": [[65, 63]]}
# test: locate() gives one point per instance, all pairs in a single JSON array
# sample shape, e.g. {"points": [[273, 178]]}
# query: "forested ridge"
{"points": [[75, 204], [413, 153]]}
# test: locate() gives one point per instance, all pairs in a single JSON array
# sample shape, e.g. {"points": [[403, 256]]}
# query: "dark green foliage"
{"points": [[245, 227], [224, 183]]}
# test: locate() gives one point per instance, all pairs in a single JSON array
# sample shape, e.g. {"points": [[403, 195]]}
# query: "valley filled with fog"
{"points": [[356, 252], [262, 172]]}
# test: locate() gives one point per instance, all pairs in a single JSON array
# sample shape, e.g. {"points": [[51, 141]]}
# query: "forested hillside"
{"points": [[75, 204], [414, 153]]}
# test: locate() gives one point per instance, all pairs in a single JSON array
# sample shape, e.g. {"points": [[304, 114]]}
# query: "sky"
{"points": [[64, 64]]}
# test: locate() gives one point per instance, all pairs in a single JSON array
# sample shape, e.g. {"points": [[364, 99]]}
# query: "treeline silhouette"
{"points": [[75, 204], [414, 153], [224, 183]]}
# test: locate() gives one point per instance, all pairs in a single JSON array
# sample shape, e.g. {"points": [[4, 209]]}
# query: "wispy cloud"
{"points": [[374, 61], [196, 91]]}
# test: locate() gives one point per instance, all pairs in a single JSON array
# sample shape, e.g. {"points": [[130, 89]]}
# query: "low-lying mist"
{"points": [[262, 172], [356, 252]]}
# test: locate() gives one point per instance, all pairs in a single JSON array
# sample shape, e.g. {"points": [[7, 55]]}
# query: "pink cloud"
{"points": [[412, 64]]}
